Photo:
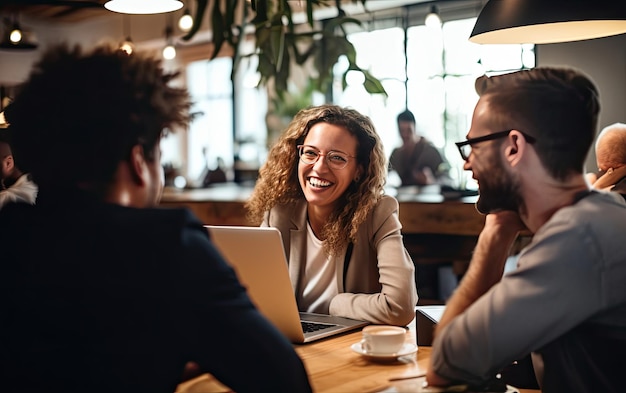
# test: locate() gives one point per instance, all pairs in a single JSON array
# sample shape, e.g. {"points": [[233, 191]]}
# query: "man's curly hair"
{"points": [[278, 177], [80, 113]]}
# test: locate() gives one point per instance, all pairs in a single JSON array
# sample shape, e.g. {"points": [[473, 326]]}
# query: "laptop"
{"points": [[258, 257], [426, 319]]}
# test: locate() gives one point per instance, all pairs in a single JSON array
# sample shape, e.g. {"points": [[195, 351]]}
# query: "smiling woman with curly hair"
{"points": [[322, 187]]}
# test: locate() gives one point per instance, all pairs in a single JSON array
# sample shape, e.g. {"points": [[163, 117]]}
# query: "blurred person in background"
{"points": [[15, 185], [417, 162], [611, 159]]}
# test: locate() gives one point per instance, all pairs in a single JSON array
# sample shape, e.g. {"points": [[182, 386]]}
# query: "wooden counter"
{"points": [[219, 205], [420, 212]]}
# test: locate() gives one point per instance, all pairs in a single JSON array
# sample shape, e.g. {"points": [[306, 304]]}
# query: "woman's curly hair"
{"points": [[278, 178]]}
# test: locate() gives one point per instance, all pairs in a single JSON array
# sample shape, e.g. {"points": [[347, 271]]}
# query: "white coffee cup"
{"points": [[382, 339]]}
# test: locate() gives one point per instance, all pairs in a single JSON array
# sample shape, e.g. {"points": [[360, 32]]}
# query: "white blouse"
{"points": [[319, 281]]}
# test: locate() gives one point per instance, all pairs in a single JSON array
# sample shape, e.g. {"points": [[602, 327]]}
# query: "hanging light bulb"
{"points": [[143, 6], [15, 37], [433, 19], [548, 22], [16, 34], [185, 23], [169, 52], [127, 45]]}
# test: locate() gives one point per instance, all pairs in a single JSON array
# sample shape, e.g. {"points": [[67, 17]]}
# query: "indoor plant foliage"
{"points": [[280, 43]]}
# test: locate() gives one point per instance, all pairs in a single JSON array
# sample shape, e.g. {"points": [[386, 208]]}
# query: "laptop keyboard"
{"points": [[308, 327]]}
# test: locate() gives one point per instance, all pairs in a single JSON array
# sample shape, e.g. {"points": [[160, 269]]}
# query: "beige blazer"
{"points": [[378, 283]]}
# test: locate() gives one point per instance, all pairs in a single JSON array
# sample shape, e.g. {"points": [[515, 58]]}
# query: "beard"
{"points": [[498, 191]]}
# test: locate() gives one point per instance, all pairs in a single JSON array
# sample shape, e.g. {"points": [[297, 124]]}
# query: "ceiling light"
{"points": [[127, 45], [143, 6], [15, 37], [169, 52], [185, 23], [548, 21], [16, 34], [433, 19]]}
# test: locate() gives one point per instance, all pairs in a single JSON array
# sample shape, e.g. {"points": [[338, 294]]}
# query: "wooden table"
{"points": [[333, 367]]}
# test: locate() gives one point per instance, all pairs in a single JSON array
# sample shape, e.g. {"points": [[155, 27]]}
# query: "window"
{"points": [[210, 134], [437, 84], [228, 115]]}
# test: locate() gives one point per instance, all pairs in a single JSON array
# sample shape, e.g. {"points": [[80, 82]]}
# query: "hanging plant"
{"points": [[280, 43]]}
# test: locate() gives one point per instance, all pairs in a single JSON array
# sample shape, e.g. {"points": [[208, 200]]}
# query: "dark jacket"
{"points": [[103, 298]]}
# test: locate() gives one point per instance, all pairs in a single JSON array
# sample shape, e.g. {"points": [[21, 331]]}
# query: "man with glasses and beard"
{"points": [[565, 304]]}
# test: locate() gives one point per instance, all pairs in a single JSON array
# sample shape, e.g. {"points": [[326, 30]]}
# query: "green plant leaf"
{"points": [[218, 28], [265, 68], [197, 20], [350, 51], [229, 21], [299, 57], [282, 73], [288, 103], [260, 9], [373, 85], [289, 14], [278, 46], [340, 21], [309, 13]]}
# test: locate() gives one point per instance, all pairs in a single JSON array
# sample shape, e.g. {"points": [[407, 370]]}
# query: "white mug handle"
{"points": [[365, 346]]}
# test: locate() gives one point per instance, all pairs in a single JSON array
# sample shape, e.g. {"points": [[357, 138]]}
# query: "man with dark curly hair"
{"points": [[101, 290]]}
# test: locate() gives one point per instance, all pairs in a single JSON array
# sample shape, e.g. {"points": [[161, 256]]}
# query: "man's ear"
{"points": [[8, 163], [138, 166], [516, 145]]}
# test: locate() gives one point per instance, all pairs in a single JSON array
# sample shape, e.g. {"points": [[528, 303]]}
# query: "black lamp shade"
{"points": [[548, 21]]}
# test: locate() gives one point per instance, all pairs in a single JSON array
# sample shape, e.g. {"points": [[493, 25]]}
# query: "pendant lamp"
{"points": [[15, 37], [127, 45], [433, 19], [185, 23], [169, 51], [143, 6], [548, 21]]}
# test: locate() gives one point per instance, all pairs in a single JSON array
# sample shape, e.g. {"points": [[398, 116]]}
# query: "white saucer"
{"points": [[407, 349]]}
